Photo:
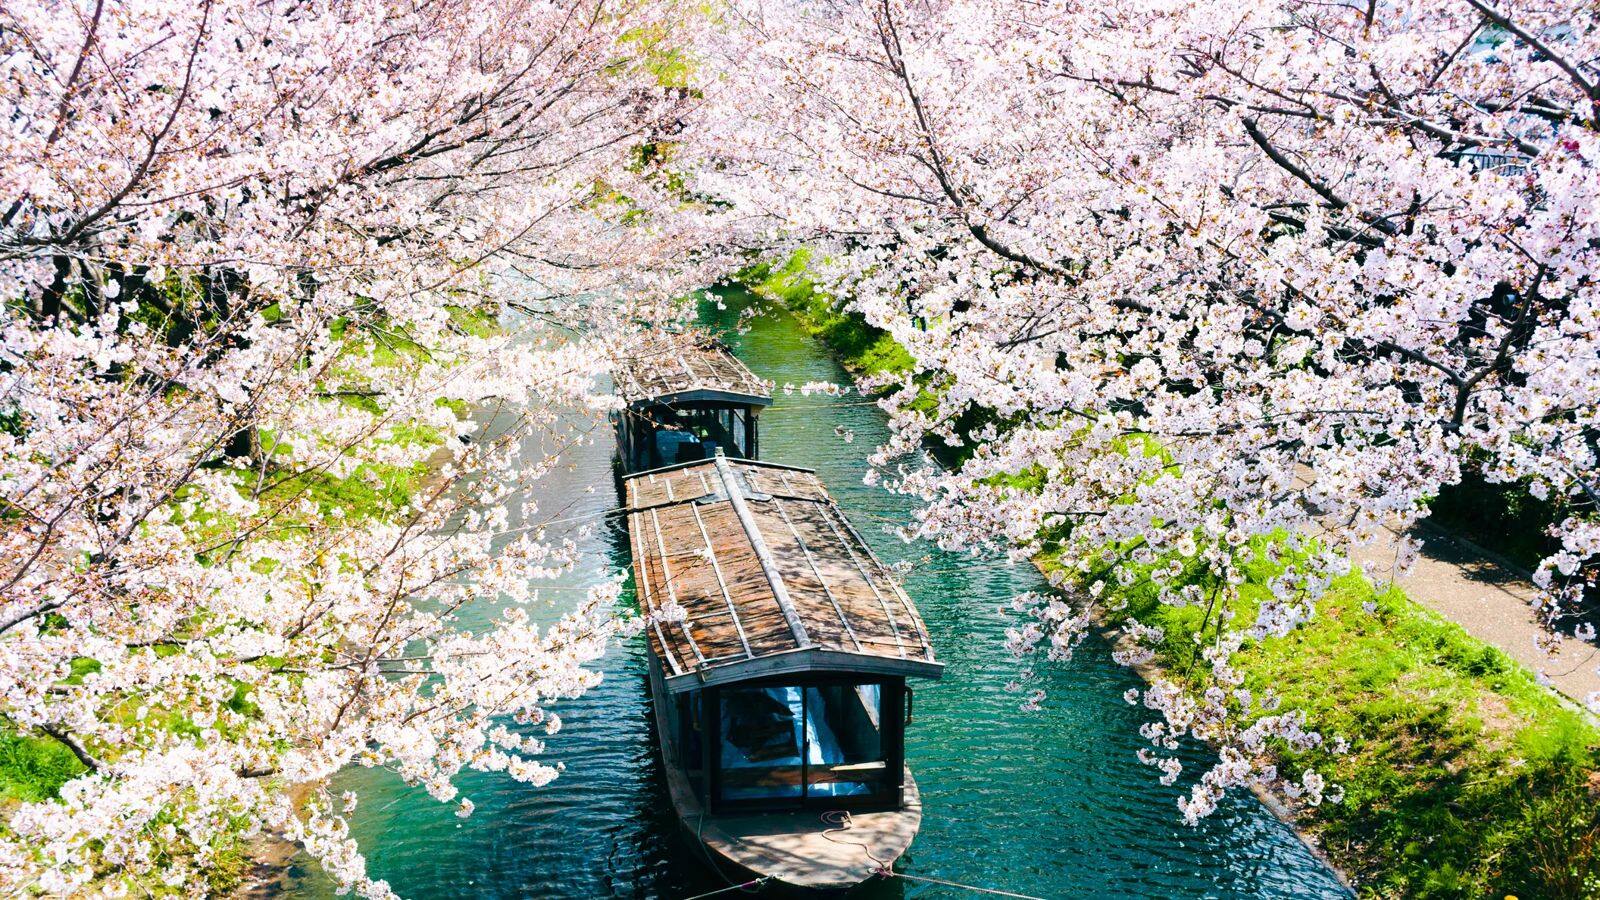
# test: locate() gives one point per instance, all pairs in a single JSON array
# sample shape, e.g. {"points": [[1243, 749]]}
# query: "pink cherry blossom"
{"points": [[1208, 273], [244, 247]]}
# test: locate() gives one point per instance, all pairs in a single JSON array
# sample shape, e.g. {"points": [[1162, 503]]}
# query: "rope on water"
{"points": [[839, 820], [957, 884], [754, 882]]}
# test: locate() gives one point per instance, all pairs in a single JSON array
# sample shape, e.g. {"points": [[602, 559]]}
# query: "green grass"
{"points": [[1464, 777], [375, 491], [33, 769], [863, 349]]}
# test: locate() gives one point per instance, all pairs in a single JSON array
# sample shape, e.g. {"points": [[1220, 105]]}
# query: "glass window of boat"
{"points": [[667, 435], [847, 758], [796, 742]]}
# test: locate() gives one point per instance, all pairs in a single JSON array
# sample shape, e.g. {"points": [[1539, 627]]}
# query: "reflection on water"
{"points": [[1050, 803]]}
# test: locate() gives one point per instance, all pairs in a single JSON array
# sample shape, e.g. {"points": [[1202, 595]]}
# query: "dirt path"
{"points": [[1488, 597]]}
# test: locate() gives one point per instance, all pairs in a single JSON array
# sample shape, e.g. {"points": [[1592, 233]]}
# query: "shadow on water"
{"points": [[1050, 803]]}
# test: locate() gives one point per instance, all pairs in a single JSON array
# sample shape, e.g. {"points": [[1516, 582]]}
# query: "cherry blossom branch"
{"points": [[1589, 87]]}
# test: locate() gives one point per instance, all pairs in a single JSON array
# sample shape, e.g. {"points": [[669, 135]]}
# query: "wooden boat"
{"points": [[686, 397], [780, 651]]}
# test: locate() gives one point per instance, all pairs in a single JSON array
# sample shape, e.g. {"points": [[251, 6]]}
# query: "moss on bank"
{"points": [[1464, 777]]}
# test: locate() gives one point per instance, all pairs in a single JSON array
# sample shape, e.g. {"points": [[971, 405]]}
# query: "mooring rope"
{"points": [[711, 860], [956, 884], [754, 882], [840, 820]]}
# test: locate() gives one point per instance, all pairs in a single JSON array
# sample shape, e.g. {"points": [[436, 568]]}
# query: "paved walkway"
{"points": [[1491, 600]]}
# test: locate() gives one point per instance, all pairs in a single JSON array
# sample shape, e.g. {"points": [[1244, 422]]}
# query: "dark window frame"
{"points": [[637, 427], [891, 735]]}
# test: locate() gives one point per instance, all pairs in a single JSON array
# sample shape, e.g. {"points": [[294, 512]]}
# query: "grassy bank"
{"points": [[860, 347], [1464, 777], [33, 768]]}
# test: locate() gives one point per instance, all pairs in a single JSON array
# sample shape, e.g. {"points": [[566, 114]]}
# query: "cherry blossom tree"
{"points": [[1197, 281], [257, 260]]}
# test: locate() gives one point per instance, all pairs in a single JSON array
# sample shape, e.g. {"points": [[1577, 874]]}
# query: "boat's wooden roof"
{"points": [[661, 366], [771, 577]]}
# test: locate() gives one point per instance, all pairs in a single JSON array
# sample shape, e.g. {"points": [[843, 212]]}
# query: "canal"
{"points": [[1050, 803]]}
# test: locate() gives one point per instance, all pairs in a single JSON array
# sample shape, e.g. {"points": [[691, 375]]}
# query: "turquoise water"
{"points": [[1050, 803]]}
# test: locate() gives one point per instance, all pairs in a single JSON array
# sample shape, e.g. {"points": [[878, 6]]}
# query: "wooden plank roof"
{"points": [[663, 366], [770, 576]]}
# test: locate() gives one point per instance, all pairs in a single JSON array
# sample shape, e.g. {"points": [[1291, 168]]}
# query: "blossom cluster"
{"points": [[1181, 279], [298, 300]]}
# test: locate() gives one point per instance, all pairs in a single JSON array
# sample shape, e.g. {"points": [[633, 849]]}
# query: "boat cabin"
{"points": [[686, 398], [780, 648]]}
